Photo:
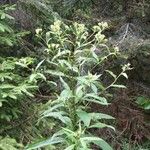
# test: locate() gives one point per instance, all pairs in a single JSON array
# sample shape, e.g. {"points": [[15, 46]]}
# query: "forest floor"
{"points": [[131, 121]]}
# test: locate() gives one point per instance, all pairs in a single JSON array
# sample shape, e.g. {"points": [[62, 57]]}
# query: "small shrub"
{"points": [[8, 35], [8, 143], [72, 52], [14, 82], [15, 85], [143, 102]]}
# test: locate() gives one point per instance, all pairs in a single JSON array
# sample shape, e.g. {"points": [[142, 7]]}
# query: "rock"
{"points": [[140, 60]]}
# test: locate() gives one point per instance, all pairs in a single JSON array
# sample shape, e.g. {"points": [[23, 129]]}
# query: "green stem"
{"points": [[73, 114]]}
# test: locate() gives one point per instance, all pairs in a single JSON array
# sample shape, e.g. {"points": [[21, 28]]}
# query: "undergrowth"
{"points": [[46, 99], [72, 52]]}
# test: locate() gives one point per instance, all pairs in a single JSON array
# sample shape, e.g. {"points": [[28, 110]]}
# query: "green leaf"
{"points": [[111, 73], [83, 80], [56, 73], [125, 75], [56, 106], [60, 54], [79, 93], [68, 65], [27, 93], [8, 16], [143, 102], [147, 106], [65, 85], [118, 86], [95, 56], [8, 42], [85, 117], [95, 101], [8, 143], [91, 139], [101, 125], [22, 64], [94, 88], [66, 94], [11, 95], [32, 77], [53, 83], [1, 104], [96, 116], [2, 29], [92, 97], [41, 76], [35, 76], [102, 144], [43, 143], [60, 115], [39, 64], [84, 144], [98, 141], [3, 16], [7, 86]]}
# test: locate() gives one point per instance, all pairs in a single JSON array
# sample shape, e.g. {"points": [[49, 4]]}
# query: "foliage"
{"points": [[8, 35], [69, 8], [143, 102], [72, 53], [70, 57], [8, 143], [14, 86], [41, 11], [14, 82]]}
